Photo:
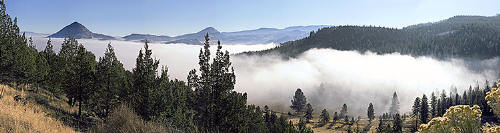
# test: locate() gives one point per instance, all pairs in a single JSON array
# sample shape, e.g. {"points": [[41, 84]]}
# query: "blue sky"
{"points": [[168, 17]]}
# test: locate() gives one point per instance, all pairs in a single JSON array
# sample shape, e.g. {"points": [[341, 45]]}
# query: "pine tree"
{"points": [[471, 96], [465, 99], [424, 110], [394, 105], [309, 111], [343, 111], [416, 111], [397, 124], [217, 106], [144, 82], [56, 69], [444, 103], [42, 69], [299, 101], [68, 54], [84, 74], [381, 127], [110, 77], [434, 109], [335, 117], [370, 112], [324, 117]]}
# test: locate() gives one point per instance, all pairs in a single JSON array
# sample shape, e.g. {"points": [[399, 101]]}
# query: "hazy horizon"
{"points": [[180, 17]]}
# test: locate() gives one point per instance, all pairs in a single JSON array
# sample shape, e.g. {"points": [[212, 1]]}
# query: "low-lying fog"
{"points": [[328, 77]]}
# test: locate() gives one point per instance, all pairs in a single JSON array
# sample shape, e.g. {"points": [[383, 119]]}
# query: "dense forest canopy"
{"points": [[471, 37]]}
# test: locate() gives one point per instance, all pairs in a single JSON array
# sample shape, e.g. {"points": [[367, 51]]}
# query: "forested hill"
{"points": [[472, 37]]}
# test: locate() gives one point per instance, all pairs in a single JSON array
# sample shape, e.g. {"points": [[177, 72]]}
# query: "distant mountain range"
{"points": [[257, 36], [472, 37]]}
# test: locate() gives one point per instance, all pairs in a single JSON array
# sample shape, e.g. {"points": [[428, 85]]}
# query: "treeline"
{"points": [[452, 38], [206, 103], [391, 121], [425, 108]]}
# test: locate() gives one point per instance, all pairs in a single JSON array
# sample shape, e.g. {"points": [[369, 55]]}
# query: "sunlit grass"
{"points": [[19, 118]]}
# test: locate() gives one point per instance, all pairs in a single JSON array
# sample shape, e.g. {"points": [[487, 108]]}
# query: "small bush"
{"points": [[457, 119]]}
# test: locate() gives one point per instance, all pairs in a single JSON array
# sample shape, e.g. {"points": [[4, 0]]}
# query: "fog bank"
{"points": [[328, 77]]}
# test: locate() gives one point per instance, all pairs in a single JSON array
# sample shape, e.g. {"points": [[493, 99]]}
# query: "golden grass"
{"points": [[18, 118], [124, 120]]}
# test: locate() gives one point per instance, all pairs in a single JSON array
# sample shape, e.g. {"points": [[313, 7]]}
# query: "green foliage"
{"points": [[54, 78], [299, 101], [324, 117], [397, 124], [144, 75], [110, 77], [309, 113], [279, 124], [302, 125], [370, 112], [343, 111], [424, 110], [383, 126], [434, 109]]}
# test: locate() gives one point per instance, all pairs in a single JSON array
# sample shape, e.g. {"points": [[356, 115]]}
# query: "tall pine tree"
{"points": [[424, 110], [299, 101], [144, 75], [370, 112], [394, 105]]}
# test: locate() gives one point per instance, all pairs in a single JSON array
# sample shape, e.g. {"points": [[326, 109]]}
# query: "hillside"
{"points": [[459, 37], [31, 117]]}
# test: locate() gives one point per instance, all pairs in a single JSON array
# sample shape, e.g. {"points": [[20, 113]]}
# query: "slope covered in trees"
{"points": [[473, 37], [142, 100]]}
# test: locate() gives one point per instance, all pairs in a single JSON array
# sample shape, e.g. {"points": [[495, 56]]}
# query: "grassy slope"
{"points": [[36, 116]]}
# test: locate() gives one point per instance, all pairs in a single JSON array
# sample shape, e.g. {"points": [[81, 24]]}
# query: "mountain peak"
{"points": [[209, 30], [78, 31]]}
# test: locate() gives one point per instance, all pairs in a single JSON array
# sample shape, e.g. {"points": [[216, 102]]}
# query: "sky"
{"points": [[169, 17]]}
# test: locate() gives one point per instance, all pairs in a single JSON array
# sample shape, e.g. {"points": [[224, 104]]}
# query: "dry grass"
{"points": [[124, 120], [16, 117]]}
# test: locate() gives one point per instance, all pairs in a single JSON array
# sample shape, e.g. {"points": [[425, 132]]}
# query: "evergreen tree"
{"points": [[434, 109], [144, 82], [218, 108], [299, 101], [324, 117], [343, 111], [68, 54], [444, 103], [55, 73], [465, 99], [370, 112], [309, 111], [424, 110], [394, 105], [84, 74], [416, 111], [335, 117], [381, 125], [110, 77], [397, 124], [42, 70]]}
